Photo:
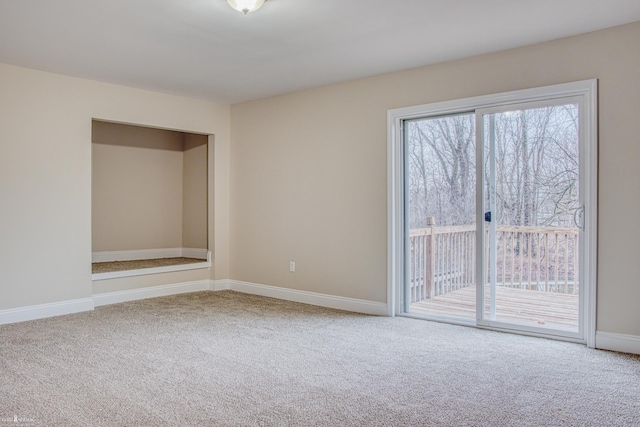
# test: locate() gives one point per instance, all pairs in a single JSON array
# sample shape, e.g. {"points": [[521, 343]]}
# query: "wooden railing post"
{"points": [[430, 260]]}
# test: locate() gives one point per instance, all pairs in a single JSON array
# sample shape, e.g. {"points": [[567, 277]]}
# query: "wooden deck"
{"points": [[519, 306]]}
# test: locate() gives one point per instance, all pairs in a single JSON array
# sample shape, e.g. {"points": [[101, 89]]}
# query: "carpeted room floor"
{"points": [[229, 359]]}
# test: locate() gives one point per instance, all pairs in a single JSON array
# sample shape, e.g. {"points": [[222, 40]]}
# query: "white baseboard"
{"points": [[150, 292], [41, 311], [313, 298], [137, 254], [220, 285], [618, 342], [86, 304], [196, 253]]}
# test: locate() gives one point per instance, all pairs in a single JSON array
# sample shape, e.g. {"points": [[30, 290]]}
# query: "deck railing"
{"points": [[442, 259]]}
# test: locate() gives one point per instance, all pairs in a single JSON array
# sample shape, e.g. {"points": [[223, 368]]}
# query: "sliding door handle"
{"points": [[578, 217]]}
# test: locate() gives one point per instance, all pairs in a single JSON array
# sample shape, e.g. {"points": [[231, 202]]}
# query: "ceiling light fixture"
{"points": [[246, 6]]}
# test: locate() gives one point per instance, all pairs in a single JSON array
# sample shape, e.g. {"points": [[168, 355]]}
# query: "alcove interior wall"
{"points": [[149, 188]]}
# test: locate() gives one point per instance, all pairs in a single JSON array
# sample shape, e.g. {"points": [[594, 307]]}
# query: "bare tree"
{"points": [[537, 166], [442, 162], [536, 157]]}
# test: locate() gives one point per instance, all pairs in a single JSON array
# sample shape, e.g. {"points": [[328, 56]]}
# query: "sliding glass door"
{"points": [[494, 229], [532, 214]]}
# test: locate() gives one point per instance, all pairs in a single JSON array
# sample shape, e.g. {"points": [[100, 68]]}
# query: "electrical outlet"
{"points": [[292, 266]]}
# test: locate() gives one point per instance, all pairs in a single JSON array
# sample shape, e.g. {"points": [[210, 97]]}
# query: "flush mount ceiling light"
{"points": [[246, 6]]}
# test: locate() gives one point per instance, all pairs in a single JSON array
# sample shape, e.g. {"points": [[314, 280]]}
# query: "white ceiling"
{"points": [[203, 48]]}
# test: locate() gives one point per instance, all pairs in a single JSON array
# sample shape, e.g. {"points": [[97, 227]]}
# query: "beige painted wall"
{"points": [[194, 192], [309, 169], [137, 186], [45, 177], [309, 172], [149, 188]]}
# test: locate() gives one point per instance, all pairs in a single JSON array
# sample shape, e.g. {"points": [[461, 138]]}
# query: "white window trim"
{"points": [[587, 89]]}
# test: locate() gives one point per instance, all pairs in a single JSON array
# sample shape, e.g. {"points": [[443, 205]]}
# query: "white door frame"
{"points": [[586, 92]]}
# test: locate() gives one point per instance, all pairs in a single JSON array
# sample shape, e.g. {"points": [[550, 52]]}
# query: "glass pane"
{"points": [[532, 266], [441, 182]]}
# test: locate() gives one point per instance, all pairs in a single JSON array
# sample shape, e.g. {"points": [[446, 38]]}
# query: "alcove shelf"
{"points": [[149, 200], [119, 264]]}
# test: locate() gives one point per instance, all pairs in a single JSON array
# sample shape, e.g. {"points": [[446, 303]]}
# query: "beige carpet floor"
{"points": [[228, 359], [109, 267]]}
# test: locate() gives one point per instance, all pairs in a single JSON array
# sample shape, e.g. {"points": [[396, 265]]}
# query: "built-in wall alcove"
{"points": [[149, 200]]}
